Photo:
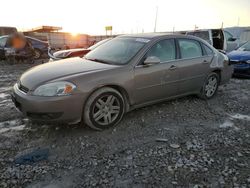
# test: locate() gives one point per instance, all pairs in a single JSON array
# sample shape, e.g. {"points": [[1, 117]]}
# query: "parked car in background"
{"points": [[240, 58], [40, 47], [217, 38], [77, 52], [7, 30], [124, 73]]}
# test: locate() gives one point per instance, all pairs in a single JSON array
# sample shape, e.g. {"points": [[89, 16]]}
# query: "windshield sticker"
{"points": [[142, 40]]}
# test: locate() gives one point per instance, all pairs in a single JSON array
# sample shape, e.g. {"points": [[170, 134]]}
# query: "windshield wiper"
{"points": [[98, 60]]}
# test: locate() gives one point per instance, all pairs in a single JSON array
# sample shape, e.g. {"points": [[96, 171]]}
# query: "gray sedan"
{"points": [[127, 72]]}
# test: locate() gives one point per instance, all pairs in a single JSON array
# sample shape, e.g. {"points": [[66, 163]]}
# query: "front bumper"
{"points": [[242, 71], [65, 109]]}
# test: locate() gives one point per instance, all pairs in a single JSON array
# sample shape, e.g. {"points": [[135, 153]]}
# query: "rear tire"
{"points": [[210, 86], [104, 109]]}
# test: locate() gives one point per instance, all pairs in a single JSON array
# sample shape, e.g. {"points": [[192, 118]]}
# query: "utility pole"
{"points": [[238, 22], [156, 15]]}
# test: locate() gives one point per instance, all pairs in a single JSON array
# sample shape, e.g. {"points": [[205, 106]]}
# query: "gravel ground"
{"points": [[186, 142]]}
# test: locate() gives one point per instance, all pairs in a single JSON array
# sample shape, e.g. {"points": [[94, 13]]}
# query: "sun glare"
{"points": [[74, 34]]}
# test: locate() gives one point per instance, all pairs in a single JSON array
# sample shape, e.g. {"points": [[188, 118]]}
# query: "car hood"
{"points": [[238, 55], [58, 69], [65, 53]]}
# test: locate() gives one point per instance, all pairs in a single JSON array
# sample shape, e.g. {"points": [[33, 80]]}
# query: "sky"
{"points": [[126, 16]]}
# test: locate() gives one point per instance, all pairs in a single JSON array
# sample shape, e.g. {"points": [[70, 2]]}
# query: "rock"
{"points": [[174, 182], [161, 140], [3, 184], [221, 180], [175, 146], [239, 154]]}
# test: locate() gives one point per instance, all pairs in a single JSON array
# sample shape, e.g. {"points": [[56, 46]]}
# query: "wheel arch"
{"points": [[118, 88], [218, 72]]}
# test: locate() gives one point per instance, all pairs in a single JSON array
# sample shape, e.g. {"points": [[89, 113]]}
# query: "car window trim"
{"points": [[205, 52], [176, 52]]}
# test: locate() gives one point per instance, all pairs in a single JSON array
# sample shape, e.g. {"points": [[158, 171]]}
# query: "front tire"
{"points": [[210, 86], [104, 109]]}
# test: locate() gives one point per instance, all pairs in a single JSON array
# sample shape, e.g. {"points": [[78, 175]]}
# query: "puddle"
{"points": [[4, 89], [12, 125], [8, 123], [241, 117], [5, 101], [16, 128], [3, 95], [227, 124]]}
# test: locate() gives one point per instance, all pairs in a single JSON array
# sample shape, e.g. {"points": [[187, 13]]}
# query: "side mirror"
{"points": [[231, 39], [152, 60]]}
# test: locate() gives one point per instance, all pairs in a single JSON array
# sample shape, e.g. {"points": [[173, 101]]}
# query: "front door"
{"points": [[157, 81]]}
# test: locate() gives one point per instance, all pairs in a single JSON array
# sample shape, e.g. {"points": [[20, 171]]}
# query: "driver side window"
{"points": [[164, 50]]}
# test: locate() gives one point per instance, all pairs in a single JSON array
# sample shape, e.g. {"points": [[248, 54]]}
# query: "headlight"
{"points": [[55, 89], [248, 61]]}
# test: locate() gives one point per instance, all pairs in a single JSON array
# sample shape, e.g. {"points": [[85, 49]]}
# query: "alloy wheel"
{"points": [[211, 86], [106, 110]]}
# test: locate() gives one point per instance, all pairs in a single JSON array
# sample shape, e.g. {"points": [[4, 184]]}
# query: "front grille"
{"points": [[23, 88]]}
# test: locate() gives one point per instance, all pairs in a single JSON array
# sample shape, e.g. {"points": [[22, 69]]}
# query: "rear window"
{"points": [[190, 48], [208, 50]]}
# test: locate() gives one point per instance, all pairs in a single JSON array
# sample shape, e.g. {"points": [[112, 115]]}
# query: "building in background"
{"points": [[64, 40], [57, 39]]}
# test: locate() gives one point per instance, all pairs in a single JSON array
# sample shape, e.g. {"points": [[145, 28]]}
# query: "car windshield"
{"points": [[245, 47], [98, 44], [117, 51]]}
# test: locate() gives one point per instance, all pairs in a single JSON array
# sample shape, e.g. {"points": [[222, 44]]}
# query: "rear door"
{"points": [[157, 81], [194, 65]]}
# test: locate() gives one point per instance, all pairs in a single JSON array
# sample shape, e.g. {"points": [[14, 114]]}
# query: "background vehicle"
{"points": [[40, 47], [7, 30], [240, 58], [78, 52], [217, 38], [242, 34]]}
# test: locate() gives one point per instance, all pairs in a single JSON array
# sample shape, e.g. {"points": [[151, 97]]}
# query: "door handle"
{"points": [[205, 62], [173, 67]]}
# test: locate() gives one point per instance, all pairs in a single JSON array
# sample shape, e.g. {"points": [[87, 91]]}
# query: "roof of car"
{"points": [[157, 35], [146, 35]]}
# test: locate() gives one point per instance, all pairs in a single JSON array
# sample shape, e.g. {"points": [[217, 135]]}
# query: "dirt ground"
{"points": [[186, 142]]}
